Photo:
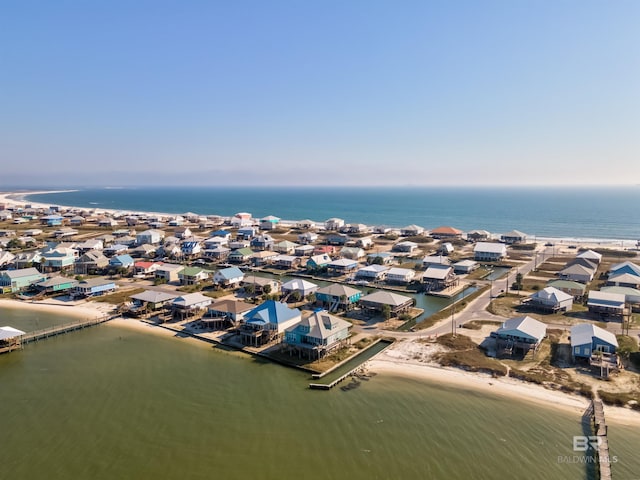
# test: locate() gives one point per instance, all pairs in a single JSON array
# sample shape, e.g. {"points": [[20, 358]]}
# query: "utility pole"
{"points": [[453, 323]]}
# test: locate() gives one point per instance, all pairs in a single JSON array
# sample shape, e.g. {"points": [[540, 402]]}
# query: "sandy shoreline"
{"points": [[80, 309], [504, 387], [384, 363], [18, 198]]}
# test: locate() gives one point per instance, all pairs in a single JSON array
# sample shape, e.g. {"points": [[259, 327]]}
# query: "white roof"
{"points": [[526, 325], [9, 332], [552, 294], [606, 298], [298, 284], [585, 332], [590, 255], [401, 272], [490, 247], [192, 299], [388, 298]]}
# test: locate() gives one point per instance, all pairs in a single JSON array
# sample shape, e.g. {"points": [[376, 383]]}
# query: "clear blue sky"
{"points": [[320, 92]]}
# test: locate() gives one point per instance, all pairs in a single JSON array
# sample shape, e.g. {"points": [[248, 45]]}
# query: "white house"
{"points": [[400, 275], [489, 252]]}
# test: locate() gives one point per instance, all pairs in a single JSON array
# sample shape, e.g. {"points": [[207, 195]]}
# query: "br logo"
{"points": [[582, 443]]}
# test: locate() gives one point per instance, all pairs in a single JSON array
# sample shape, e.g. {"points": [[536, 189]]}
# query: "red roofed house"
{"points": [[446, 232], [145, 268]]}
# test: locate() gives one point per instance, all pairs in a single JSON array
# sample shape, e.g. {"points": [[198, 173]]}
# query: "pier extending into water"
{"points": [[350, 367], [54, 331], [595, 411]]}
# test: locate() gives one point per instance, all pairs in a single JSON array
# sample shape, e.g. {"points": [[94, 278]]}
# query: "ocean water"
{"points": [[570, 212], [108, 402]]}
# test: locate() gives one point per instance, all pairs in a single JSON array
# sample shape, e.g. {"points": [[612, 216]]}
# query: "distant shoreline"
{"points": [[20, 197]]}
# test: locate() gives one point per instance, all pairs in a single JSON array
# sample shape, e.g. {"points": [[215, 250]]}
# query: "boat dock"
{"points": [[351, 368], [61, 329], [596, 412]]}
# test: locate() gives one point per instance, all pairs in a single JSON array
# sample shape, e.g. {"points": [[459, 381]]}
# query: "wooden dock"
{"points": [[596, 411], [61, 329]]}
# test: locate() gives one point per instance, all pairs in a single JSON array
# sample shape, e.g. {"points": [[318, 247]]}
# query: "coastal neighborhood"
{"points": [[318, 295]]}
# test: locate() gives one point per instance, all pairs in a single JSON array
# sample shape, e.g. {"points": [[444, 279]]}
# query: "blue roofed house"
{"points": [[268, 322], [228, 277], [587, 338], [190, 248], [122, 261], [624, 267], [317, 334], [52, 220]]}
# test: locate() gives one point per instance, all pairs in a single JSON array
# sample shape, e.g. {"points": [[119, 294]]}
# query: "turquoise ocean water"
{"points": [[570, 212]]}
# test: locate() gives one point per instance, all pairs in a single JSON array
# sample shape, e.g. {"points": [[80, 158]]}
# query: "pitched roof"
{"points": [[20, 273], [386, 298], [298, 284], [552, 294], [271, 312], [337, 290], [230, 273], [585, 333], [524, 326], [490, 247], [568, 284], [231, 306], [625, 278], [189, 299], [320, 324], [445, 230], [153, 296], [605, 299]]}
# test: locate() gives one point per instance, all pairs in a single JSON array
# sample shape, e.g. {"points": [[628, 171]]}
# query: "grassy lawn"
{"points": [[117, 298], [464, 353]]}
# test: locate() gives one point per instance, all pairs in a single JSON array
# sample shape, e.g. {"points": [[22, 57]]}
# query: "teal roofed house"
{"points": [[55, 285], [268, 322], [58, 258], [17, 280], [122, 261], [317, 334], [337, 296]]}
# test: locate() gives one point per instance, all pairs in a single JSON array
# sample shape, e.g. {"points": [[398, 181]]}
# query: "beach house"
{"points": [[334, 224], [285, 247], [230, 310], [405, 247], [575, 289], [228, 277], [400, 275], [439, 260], [168, 272], [193, 275], [513, 237], [577, 273], [489, 252], [624, 267], [411, 231], [606, 304], [18, 280], [55, 285], [520, 334], [268, 322], [93, 287], [478, 235], [337, 296], [241, 255], [439, 277], [377, 302], [318, 261], [550, 300], [122, 261], [587, 339], [303, 287], [269, 222], [317, 334], [623, 280], [262, 242], [241, 219], [150, 301], [373, 273], [190, 304], [260, 285], [590, 255], [342, 266], [307, 238], [59, 258], [446, 233], [465, 266]]}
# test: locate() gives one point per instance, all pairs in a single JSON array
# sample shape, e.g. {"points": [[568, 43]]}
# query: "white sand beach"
{"points": [[75, 309], [502, 386]]}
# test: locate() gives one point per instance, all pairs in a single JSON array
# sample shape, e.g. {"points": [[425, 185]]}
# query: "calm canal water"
{"points": [[109, 402]]}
